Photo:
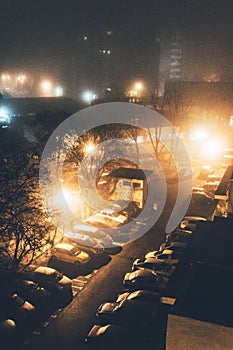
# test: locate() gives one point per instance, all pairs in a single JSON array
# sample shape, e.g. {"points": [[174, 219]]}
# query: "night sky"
{"points": [[45, 37]]}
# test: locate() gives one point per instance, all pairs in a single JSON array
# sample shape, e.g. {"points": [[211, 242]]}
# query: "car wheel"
{"points": [[53, 258], [77, 263]]}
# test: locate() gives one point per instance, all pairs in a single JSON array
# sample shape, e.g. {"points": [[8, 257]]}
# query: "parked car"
{"points": [[166, 254], [92, 237], [144, 279], [106, 218], [201, 205], [31, 291], [210, 188], [118, 235], [205, 171], [183, 174], [98, 220], [198, 189], [128, 313], [83, 241], [213, 178], [56, 282], [7, 332], [16, 308], [179, 235], [159, 266], [190, 222], [109, 336], [140, 295], [69, 253], [177, 247]]}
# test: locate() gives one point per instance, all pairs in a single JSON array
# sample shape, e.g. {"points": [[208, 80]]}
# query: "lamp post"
{"points": [[138, 88]]}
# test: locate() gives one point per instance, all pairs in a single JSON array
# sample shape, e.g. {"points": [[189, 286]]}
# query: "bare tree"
{"points": [[25, 228]]}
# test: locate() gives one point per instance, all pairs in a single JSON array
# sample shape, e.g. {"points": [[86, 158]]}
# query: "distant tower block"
{"points": [[176, 57], [171, 58]]}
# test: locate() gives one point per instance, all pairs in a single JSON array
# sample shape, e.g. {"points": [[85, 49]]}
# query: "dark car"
{"points": [[54, 281], [190, 222], [7, 332], [109, 336], [129, 313], [179, 235], [144, 279], [177, 247], [14, 307], [182, 174], [32, 292], [140, 295], [159, 266], [201, 205]]}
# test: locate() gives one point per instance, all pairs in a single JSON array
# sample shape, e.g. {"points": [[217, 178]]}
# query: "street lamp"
{"points": [[90, 148], [138, 88], [88, 96], [58, 91], [21, 79], [46, 87]]}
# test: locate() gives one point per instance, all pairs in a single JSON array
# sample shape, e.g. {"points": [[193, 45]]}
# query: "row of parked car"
{"points": [[137, 318], [26, 299]]}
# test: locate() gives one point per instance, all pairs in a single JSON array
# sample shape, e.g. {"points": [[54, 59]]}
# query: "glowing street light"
{"points": [[135, 94], [88, 96], [5, 77], [90, 148], [138, 86], [21, 79], [46, 88], [199, 135], [58, 91], [4, 115], [213, 148]]}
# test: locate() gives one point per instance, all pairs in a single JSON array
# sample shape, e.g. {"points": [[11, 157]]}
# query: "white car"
{"points": [[110, 213], [83, 239], [106, 218], [93, 238]]}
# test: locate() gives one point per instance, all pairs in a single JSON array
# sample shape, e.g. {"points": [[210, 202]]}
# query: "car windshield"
{"points": [[75, 251]]}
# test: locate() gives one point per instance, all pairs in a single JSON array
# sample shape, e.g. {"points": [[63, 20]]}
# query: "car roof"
{"points": [[85, 228], [64, 246], [142, 273], [193, 218], [153, 260], [182, 230], [167, 251], [142, 292], [80, 237], [45, 270]]}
